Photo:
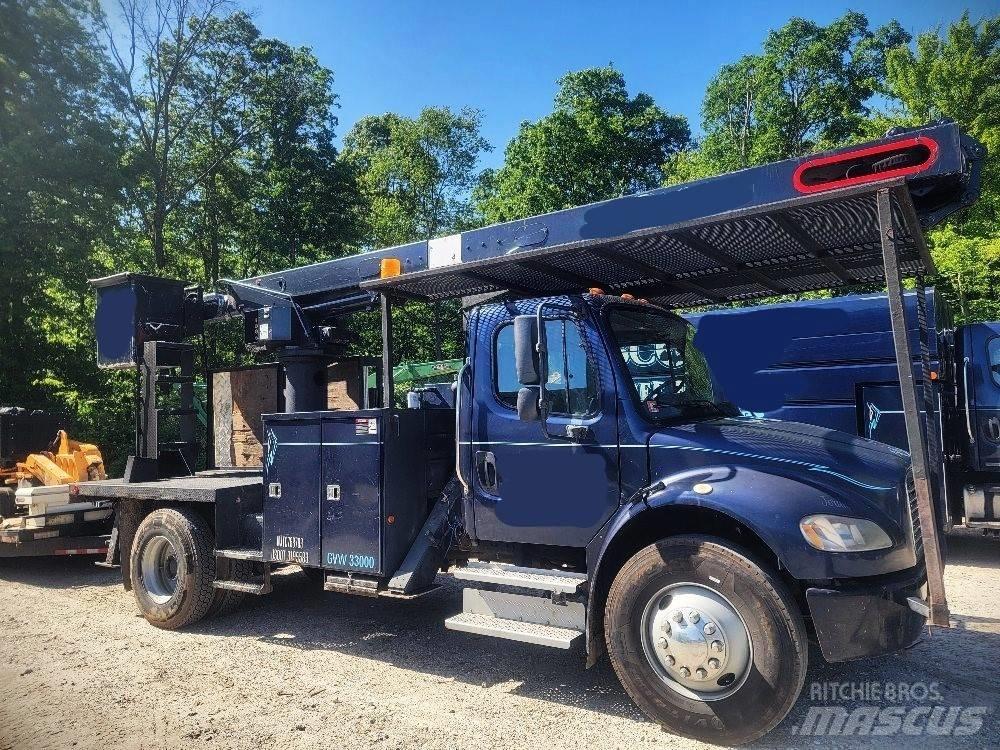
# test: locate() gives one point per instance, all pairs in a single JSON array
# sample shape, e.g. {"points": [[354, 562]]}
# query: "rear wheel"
{"points": [[172, 567], [705, 641]]}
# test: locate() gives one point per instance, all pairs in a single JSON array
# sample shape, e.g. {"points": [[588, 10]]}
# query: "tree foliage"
{"points": [[60, 185], [956, 74], [597, 143], [173, 137], [809, 88], [414, 177]]}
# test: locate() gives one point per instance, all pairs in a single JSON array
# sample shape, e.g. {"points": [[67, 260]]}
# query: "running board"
{"points": [[245, 587], [262, 586], [504, 574], [526, 632], [240, 554], [516, 617]]}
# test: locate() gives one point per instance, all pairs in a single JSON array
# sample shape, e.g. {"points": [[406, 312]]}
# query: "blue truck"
{"points": [[831, 363], [588, 480]]}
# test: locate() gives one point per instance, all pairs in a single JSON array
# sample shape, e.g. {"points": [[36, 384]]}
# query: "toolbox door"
{"points": [[351, 494], [291, 492]]}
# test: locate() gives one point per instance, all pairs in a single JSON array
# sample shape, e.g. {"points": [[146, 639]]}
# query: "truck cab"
{"points": [[612, 445], [588, 481]]}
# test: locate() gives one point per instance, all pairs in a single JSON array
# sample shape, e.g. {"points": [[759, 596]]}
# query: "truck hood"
{"points": [[850, 469]]}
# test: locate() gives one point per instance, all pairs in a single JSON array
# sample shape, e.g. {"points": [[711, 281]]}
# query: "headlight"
{"points": [[839, 534]]}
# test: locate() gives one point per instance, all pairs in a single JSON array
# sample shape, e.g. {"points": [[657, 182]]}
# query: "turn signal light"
{"points": [[390, 267]]}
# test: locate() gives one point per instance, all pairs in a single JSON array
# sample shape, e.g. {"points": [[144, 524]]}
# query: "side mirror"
{"points": [[526, 351], [527, 403]]}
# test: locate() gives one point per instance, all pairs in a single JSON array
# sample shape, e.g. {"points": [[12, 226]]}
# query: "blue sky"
{"points": [[504, 57]]}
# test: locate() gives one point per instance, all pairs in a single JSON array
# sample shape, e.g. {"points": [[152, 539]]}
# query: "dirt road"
{"points": [[78, 668]]}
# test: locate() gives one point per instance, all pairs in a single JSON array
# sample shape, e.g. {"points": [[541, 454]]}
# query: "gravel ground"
{"points": [[298, 669]]}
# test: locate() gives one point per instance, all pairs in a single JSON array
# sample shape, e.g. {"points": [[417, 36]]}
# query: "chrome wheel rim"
{"points": [[696, 641], [159, 567]]}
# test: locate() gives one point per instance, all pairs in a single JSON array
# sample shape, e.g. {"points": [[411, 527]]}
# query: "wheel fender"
{"points": [[732, 491]]}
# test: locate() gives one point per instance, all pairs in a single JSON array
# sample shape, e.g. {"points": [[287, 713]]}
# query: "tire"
{"points": [[172, 566], [736, 689]]}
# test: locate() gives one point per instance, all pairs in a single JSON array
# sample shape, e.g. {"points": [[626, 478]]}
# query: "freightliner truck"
{"points": [[699, 549], [831, 363]]}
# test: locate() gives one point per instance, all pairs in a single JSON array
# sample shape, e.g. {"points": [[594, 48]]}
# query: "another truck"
{"points": [[831, 363], [700, 549]]}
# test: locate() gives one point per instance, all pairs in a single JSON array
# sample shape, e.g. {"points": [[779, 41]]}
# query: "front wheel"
{"points": [[705, 641], [172, 567]]}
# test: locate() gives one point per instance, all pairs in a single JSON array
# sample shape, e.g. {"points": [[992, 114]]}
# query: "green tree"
{"points": [[415, 176], [597, 143], [60, 190], [809, 88], [956, 74]]}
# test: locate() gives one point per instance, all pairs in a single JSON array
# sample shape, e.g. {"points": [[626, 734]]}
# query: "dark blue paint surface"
{"points": [[816, 361], [764, 473], [980, 344], [114, 326]]}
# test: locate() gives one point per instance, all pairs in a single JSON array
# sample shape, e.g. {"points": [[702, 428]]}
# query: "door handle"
{"points": [[488, 477], [968, 400], [993, 428]]}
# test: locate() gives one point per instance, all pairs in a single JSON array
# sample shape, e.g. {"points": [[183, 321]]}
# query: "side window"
{"points": [[572, 384], [993, 356]]}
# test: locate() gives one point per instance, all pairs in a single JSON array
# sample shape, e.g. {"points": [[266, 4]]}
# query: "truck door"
{"points": [[979, 374], [528, 487]]}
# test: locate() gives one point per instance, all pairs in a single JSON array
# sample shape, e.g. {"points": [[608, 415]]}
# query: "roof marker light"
{"points": [[871, 164]]}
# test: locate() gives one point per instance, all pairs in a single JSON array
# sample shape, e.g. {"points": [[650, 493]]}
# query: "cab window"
{"points": [[572, 384], [993, 355]]}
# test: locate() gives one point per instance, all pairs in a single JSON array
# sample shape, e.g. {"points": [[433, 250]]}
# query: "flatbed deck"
{"points": [[60, 545], [204, 487]]}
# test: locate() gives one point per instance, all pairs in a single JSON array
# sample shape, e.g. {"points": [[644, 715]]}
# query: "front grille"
{"points": [[911, 502]]}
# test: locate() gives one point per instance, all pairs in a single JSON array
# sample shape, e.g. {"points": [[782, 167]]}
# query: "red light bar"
{"points": [[871, 164]]}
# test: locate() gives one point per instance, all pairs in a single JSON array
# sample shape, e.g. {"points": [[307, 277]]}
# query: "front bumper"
{"points": [[868, 618]]}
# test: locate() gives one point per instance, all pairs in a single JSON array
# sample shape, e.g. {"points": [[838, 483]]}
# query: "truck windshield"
{"points": [[669, 375]]}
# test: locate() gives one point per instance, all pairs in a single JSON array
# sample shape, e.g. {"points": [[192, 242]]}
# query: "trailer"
{"points": [[38, 521], [831, 363], [699, 549]]}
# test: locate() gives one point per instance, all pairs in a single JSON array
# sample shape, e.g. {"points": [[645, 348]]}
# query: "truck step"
{"points": [[514, 630], [240, 554], [244, 586], [557, 581]]}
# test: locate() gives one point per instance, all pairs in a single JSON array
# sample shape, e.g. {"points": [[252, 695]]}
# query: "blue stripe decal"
{"points": [[700, 449]]}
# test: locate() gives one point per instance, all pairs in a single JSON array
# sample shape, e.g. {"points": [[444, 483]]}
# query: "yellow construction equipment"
{"points": [[66, 461]]}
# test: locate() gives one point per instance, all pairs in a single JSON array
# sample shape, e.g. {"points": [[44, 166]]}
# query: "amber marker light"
{"points": [[390, 267]]}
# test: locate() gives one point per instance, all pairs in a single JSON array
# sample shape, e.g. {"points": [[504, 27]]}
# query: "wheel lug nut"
{"points": [[709, 628], [717, 645], [713, 663], [701, 673], [694, 616], [670, 660], [677, 616], [666, 628], [685, 672], [664, 643]]}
